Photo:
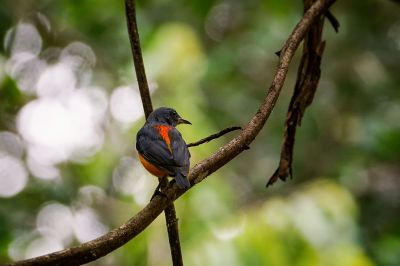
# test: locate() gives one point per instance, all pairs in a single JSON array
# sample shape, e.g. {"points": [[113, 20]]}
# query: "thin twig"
{"points": [[105, 244], [213, 136], [306, 84], [170, 213]]}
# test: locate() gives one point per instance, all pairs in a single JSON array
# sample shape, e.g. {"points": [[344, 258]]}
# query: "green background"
{"points": [[213, 62]]}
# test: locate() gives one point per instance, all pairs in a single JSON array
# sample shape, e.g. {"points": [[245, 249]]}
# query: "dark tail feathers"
{"points": [[182, 181]]}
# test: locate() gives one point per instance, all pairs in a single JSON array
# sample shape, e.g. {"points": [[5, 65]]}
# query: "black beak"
{"points": [[183, 121]]}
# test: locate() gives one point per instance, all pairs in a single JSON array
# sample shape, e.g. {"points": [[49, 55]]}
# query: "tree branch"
{"points": [[213, 136], [308, 76], [133, 32], [103, 245], [173, 234], [170, 213]]}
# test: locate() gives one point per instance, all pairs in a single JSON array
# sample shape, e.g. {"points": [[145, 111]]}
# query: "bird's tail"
{"points": [[182, 181]]}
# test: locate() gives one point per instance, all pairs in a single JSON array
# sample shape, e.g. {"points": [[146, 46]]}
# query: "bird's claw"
{"points": [[157, 192]]}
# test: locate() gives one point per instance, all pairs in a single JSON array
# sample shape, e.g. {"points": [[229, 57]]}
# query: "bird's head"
{"points": [[168, 116]]}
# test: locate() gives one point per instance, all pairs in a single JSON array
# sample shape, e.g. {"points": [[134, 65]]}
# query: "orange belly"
{"points": [[151, 168]]}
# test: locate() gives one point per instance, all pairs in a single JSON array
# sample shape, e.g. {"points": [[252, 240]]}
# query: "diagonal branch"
{"points": [[170, 213], [103, 245], [306, 84]]}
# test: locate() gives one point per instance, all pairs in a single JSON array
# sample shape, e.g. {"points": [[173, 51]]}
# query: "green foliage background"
{"points": [[213, 61]]}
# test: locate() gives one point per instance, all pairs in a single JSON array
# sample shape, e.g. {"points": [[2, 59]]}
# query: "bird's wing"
{"points": [[180, 151], [153, 148]]}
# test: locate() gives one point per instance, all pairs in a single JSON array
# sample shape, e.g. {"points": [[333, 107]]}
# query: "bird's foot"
{"points": [[159, 189], [157, 192]]}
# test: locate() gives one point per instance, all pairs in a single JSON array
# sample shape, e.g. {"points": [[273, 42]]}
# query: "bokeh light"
{"points": [[87, 225], [62, 86], [23, 38], [24, 43], [126, 105], [13, 175], [42, 246], [55, 221], [42, 171], [90, 195], [11, 144]]}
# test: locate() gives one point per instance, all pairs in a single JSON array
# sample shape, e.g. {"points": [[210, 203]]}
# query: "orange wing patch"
{"points": [[164, 133]]}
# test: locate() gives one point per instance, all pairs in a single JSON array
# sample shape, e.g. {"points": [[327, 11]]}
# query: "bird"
{"points": [[161, 147]]}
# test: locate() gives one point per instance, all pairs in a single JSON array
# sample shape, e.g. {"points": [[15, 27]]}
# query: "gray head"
{"points": [[165, 115]]}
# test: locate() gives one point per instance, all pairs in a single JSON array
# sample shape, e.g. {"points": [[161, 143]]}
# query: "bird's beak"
{"points": [[183, 121]]}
